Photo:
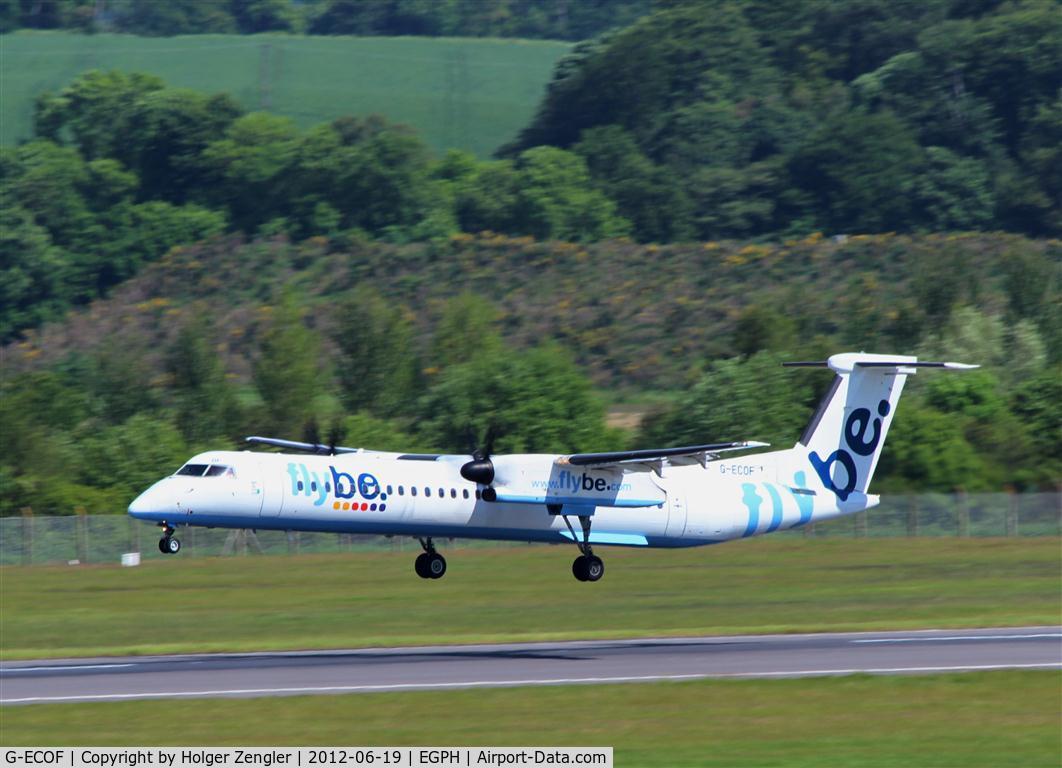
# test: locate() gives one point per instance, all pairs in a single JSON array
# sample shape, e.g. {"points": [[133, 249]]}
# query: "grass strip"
{"points": [[523, 594], [978, 719]]}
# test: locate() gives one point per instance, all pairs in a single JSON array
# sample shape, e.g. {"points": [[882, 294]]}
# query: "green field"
{"points": [[469, 93], [527, 593], [984, 719]]}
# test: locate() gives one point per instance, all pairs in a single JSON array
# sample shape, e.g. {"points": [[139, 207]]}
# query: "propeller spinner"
{"points": [[481, 468]]}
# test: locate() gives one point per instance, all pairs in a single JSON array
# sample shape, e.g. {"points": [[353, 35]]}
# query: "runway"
{"points": [[557, 663]]}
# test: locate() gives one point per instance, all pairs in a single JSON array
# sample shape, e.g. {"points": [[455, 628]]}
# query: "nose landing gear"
{"points": [[167, 544], [429, 564]]}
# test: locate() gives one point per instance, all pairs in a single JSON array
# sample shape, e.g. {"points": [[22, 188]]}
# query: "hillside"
{"points": [[472, 94], [425, 347], [635, 317]]}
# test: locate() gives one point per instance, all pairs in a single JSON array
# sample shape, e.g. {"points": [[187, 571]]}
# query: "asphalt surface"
{"points": [[584, 662]]}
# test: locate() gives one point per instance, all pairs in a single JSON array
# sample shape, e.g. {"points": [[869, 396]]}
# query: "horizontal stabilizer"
{"points": [[847, 362], [318, 448], [897, 364], [652, 454]]}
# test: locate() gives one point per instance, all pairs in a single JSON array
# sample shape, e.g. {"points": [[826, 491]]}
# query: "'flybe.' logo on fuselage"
{"points": [[570, 482], [341, 485]]}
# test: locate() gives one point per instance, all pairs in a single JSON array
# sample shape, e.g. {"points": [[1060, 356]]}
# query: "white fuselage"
{"points": [[393, 494]]}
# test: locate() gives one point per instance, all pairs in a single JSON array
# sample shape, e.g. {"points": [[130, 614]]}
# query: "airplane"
{"points": [[668, 497]]}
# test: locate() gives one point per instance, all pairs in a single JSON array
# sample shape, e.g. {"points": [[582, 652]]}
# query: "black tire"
{"points": [[163, 546], [173, 546], [595, 568], [436, 565], [579, 569], [420, 565]]}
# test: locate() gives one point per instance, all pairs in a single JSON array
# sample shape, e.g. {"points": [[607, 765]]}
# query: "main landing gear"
{"points": [[588, 566], [167, 544], [429, 563]]}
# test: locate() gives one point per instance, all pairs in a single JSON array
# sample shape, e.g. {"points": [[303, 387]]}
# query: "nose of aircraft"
{"points": [[150, 503]]}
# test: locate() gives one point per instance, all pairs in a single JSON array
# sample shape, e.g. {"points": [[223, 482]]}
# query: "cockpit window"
{"points": [[194, 470], [216, 470]]}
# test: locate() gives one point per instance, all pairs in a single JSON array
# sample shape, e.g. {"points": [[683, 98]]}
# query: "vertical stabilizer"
{"points": [[844, 439]]}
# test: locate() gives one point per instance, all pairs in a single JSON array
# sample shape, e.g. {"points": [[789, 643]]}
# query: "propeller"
{"points": [[481, 468], [310, 433], [335, 434]]}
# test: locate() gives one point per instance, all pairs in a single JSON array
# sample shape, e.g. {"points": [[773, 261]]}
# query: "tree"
{"points": [[762, 328], [287, 370], [535, 401], [954, 192], [46, 180], [488, 199], [1035, 403], [378, 365], [645, 194], [467, 328], [860, 170], [131, 456], [95, 112], [33, 279], [171, 128], [927, 450], [118, 380], [178, 17], [248, 166], [205, 404], [263, 15], [557, 200], [735, 399]]}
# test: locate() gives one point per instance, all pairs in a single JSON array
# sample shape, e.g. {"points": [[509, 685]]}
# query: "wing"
{"points": [[688, 454]]}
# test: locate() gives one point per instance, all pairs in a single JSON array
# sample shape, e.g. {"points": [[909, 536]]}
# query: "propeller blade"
{"points": [[335, 434], [488, 440], [310, 433]]}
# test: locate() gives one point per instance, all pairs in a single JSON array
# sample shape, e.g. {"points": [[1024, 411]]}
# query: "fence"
{"points": [[33, 539]]}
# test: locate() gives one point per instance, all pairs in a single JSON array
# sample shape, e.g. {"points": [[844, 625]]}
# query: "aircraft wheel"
{"points": [[595, 568], [420, 565], [579, 568], [163, 548], [436, 565], [173, 546]]}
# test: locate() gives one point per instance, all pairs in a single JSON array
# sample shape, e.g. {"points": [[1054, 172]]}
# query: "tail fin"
{"points": [[845, 437]]}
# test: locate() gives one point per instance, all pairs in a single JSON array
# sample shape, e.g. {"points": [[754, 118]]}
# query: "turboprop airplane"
{"points": [[662, 497]]}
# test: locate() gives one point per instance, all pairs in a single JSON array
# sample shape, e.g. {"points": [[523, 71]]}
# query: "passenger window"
{"points": [[427, 491], [192, 470], [453, 493], [413, 490], [442, 493], [388, 490], [401, 491], [464, 492], [477, 494]]}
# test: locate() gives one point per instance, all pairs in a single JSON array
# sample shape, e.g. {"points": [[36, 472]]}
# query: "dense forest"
{"points": [[721, 119], [539, 19], [707, 191]]}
